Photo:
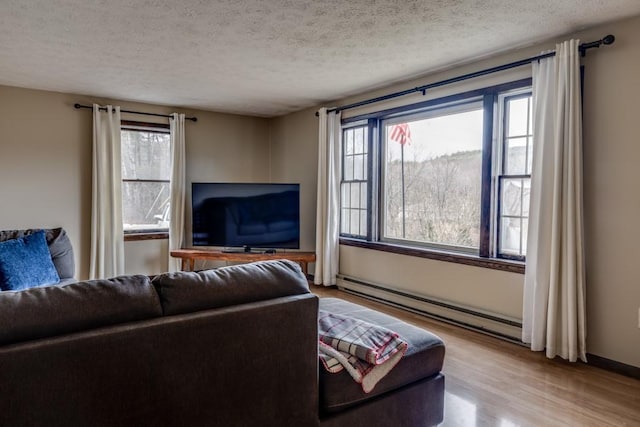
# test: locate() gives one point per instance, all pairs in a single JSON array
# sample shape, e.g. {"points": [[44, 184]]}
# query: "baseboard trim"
{"points": [[613, 366], [433, 302], [441, 318]]}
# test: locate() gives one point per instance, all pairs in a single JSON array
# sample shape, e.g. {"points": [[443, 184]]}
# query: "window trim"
{"points": [[512, 266], [145, 233], [484, 257], [139, 235]]}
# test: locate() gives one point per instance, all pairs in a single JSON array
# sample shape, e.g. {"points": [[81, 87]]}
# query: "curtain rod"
{"points": [[606, 40], [77, 106]]}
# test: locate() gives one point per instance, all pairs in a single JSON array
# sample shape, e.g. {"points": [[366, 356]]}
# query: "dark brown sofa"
{"points": [[235, 346]]}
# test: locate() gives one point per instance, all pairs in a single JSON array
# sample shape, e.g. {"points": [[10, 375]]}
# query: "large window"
{"points": [[145, 177], [432, 168], [450, 175]]}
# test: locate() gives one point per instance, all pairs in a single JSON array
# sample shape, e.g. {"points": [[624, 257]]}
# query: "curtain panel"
{"points": [[328, 198], [177, 186], [554, 291], [107, 239]]}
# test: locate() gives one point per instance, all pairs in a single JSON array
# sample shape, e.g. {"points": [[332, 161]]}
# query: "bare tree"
{"points": [[441, 199]]}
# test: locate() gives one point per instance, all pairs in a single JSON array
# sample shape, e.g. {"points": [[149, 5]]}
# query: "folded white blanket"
{"points": [[368, 352]]}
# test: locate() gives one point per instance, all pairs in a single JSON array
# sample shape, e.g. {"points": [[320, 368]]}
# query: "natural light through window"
{"points": [[432, 185], [145, 179], [449, 175], [353, 188], [515, 181]]}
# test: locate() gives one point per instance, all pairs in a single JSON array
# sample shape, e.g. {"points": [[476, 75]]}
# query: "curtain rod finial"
{"points": [[608, 39], [76, 106]]}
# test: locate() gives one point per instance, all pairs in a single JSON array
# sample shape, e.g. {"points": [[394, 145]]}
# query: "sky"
{"points": [[461, 131], [436, 136]]}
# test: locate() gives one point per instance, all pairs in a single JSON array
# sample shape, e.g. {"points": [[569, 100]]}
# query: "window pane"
{"points": [[365, 167], [354, 224], [511, 197], [515, 156], [145, 155], [529, 155], [145, 205], [344, 221], [358, 167], [518, 114], [348, 141], [344, 195], [525, 229], [433, 179], [358, 141], [355, 195], [530, 117], [363, 195], [514, 210], [348, 168], [526, 195], [510, 236], [363, 223]]}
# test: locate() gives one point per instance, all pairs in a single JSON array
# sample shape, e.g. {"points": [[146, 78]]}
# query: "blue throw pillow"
{"points": [[26, 263]]}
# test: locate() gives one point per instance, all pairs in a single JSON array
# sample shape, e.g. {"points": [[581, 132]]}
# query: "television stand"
{"points": [[190, 255]]}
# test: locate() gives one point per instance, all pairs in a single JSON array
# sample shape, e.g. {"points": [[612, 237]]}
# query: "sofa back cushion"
{"points": [[59, 247], [184, 292], [56, 310]]}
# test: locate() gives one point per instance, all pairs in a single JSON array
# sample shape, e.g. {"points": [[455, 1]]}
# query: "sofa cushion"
{"points": [[59, 247], [424, 358], [26, 262], [183, 292], [56, 310]]}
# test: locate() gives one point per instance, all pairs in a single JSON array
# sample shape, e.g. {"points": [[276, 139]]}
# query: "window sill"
{"points": [[473, 260], [134, 237]]}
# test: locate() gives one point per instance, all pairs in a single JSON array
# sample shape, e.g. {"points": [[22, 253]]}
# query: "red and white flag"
{"points": [[401, 133]]}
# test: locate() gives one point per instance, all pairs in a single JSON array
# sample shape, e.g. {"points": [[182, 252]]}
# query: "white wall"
{"points": [[45, 166], [612, 199], [611, 153], [294, 154], [148, 257]]}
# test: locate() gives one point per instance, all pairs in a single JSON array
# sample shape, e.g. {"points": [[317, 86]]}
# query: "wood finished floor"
{"points": [[490, 382]]}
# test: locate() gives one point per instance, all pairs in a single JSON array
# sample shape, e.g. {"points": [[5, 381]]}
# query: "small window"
{"points": [[354, 185], [146, 173], [514, 181]]}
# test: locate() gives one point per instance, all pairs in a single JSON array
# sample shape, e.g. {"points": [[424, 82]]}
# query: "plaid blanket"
{"points": [[368, 352]]}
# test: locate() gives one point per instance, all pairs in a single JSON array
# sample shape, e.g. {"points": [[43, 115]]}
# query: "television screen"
{"points": [[246, 215]]}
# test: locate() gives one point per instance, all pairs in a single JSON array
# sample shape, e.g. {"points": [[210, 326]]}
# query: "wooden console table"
{"points": [[189, 257]]}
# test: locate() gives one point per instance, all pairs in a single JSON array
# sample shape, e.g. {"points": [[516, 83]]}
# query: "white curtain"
{"points": [[177, 198], [328, 198], [107, 240], [554, 290]]}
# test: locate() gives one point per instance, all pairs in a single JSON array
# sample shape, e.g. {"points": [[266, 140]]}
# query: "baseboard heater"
{"points": [[492, 324]]}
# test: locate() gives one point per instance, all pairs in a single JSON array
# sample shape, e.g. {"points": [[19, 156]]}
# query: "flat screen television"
{"points": [[246, 215]]}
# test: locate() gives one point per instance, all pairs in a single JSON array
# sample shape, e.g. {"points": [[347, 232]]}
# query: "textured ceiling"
{"points": [[266, 57]]}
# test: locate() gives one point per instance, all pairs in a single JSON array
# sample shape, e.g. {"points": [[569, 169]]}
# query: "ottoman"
{"points": [[411, 394]]}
